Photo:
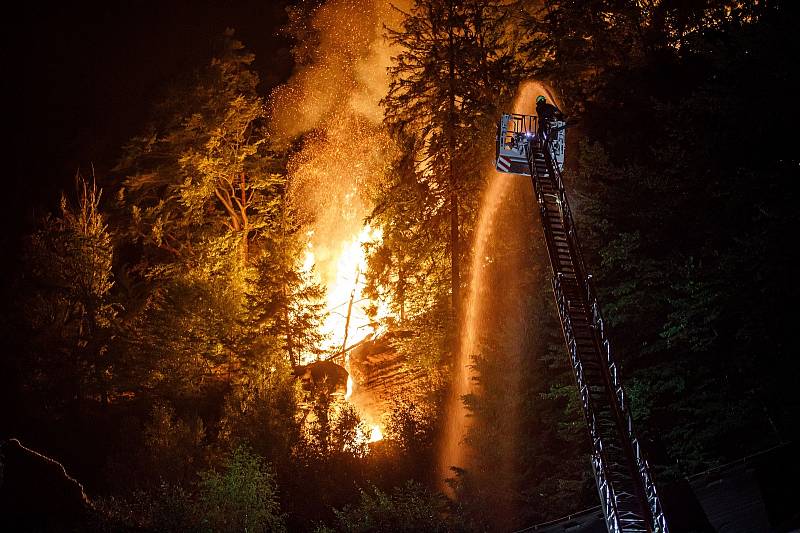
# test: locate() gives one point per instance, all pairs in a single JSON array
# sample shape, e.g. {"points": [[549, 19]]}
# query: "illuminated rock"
{"points": [[381, 375]]}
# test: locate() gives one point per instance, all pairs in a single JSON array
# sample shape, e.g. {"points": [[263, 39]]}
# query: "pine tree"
{"points": [[448, 80], [70, 308], [282, 304]]}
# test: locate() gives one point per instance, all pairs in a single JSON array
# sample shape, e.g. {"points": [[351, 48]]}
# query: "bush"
{"points": [[243, 499], [409, 508]]}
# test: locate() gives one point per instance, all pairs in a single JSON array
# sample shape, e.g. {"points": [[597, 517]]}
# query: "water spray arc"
{"points": [[454, 451]]}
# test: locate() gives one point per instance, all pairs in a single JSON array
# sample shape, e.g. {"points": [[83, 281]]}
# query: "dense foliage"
{"points": [[155, 323], [686, 175]]}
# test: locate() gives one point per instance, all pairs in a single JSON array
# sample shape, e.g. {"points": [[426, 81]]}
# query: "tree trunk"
{"points": [[288, 326], [245, 225], [350, 311], [285, 293], [401, 294], [451, 146]]}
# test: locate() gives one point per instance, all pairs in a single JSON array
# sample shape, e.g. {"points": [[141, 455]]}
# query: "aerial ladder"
{"points": [[627, 491]]}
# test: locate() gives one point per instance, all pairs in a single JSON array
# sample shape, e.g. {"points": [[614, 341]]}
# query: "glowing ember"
{"points": [[349, 388], [375, 434]]}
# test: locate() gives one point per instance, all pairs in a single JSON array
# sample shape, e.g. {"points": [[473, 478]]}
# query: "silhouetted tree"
{"points": [[69, 305], [450, 75]]}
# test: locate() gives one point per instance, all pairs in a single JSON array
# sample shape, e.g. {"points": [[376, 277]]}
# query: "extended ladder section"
{"points": [[627, 492]]}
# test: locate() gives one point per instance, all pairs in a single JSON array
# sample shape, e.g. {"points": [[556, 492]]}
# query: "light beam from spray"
{"points": [[454, 452]]}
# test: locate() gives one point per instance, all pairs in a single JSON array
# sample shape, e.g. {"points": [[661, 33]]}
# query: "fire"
{"points": [[334, 101], [348, 321], [349, 388], [375, 433], [344, 277]]}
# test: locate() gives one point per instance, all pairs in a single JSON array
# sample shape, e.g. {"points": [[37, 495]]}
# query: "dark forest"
{"points": [[261, 274]]}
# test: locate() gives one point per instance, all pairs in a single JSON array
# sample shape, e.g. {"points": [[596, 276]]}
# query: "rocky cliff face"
{"points": [[381, 375]]}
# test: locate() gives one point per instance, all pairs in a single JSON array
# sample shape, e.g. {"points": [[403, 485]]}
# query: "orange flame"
{"points": [[335, 100]]}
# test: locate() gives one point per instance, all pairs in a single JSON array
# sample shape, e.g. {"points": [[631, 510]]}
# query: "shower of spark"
{"points": [[333, 102]]}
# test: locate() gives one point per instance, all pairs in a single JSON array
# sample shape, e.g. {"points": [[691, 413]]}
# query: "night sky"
{"points": [[80, 79]]}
